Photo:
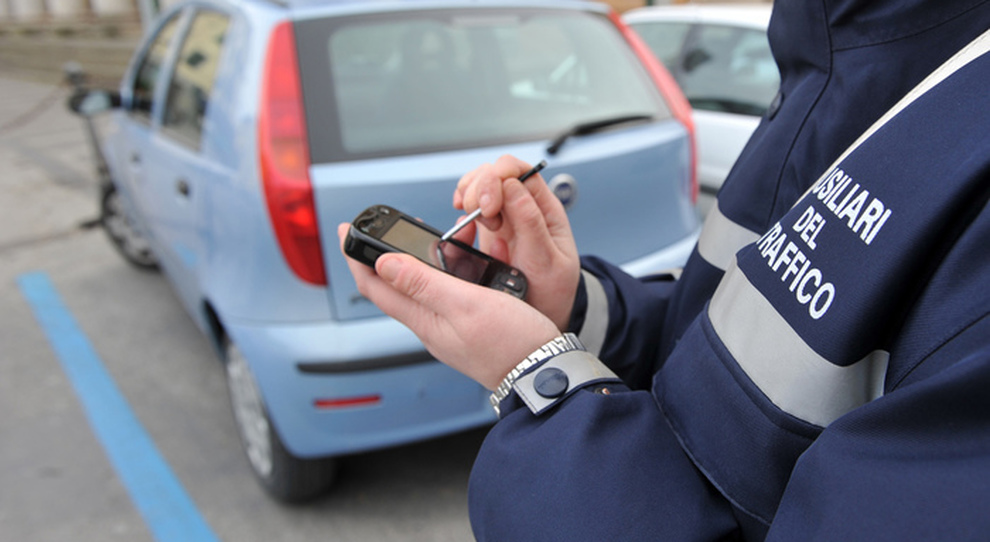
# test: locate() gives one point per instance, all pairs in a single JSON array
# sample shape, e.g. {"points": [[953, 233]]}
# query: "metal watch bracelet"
{"points": [[556, 346]]}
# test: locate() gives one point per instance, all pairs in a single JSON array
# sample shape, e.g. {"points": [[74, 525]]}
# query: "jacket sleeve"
{"points": [[911, 465], [619, 318], [599, 466]]}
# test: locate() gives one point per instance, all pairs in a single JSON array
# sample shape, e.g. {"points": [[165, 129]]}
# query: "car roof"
{"points": [[750, 15]]}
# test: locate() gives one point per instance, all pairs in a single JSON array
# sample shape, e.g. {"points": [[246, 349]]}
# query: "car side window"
{"points": [[729, 70], [192, 80], [665, 40], [143, 91]]}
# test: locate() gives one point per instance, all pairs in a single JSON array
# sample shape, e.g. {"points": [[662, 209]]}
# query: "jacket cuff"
{"points": [[580, 307], [554, 380], [594, 316]]}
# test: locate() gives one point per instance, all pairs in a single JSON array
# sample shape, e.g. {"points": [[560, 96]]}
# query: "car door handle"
{"points": [[182, 187]]}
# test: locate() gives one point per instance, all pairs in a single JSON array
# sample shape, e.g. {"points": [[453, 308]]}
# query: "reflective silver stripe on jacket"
{"points": [[792, 375], [592, 334], [721, 238]]}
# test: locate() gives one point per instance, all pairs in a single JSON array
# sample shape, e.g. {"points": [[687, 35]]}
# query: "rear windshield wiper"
{"points": [[591, 127]]}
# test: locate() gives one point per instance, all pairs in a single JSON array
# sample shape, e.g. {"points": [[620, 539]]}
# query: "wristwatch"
{"points": [[567, 342]]}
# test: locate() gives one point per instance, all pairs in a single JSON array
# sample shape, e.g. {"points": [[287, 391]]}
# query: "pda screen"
{"points": [[426, 246]]}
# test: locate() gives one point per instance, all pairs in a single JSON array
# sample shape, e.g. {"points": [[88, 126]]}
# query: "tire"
{"points": [[128, 240], [285, 477]]}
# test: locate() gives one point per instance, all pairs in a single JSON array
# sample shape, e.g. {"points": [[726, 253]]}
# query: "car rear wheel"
{"points": [[128, 240], [285, 477]]}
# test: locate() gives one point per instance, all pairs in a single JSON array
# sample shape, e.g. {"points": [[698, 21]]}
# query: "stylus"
{"points": [[477, 212]]}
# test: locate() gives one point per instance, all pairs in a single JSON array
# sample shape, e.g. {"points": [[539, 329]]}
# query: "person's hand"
{"points": [[478, 331], [525, 225]]}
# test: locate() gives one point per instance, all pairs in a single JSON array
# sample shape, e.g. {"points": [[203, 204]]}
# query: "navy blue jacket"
{"points": [[821, 369]]}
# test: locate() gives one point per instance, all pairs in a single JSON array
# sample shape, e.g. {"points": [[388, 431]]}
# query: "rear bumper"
{"points": [[381, 387]]}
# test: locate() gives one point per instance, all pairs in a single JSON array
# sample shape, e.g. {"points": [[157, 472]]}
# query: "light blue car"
{"points": [[244, 131]]}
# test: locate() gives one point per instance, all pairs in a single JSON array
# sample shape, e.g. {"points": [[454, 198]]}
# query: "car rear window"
{"points": [[412, 82]]}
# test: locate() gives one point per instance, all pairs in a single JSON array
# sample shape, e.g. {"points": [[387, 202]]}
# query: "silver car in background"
{"points": [[720, 56]]}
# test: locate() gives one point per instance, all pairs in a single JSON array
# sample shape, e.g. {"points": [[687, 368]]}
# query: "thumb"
{"points": [[426, 287], [388, 267], [524, 212]]}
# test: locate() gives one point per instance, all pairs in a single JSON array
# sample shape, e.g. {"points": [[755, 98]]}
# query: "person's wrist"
{"points": [[565, 306], [555, 296]]}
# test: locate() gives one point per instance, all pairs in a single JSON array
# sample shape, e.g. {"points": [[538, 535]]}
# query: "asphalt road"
{"points": [[56, 480]]}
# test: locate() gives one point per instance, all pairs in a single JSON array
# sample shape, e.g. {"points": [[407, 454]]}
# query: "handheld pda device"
{"points": [[380, 229]]}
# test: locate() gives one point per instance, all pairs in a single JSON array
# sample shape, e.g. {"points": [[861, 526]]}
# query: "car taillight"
{"points": [[680, 108], [284, 153]]}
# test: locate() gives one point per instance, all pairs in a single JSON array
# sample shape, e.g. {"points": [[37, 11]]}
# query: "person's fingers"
{"points": [[427, 289], [482, 188], [463, 183], [342, 230], [368, 282], [549, 206], [404, 273], [509, 167], [478, 188], [467, 233], [460, 323], [497, 248], [522, 211], [342, 233], [475, 190]]}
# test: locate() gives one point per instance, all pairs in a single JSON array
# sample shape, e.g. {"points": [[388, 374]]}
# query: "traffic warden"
{"points": [[821, 368]]}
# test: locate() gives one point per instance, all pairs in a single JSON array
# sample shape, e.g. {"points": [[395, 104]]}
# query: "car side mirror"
{"points": [[87, 103]]}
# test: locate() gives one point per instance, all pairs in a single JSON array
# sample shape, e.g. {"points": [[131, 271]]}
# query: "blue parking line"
{"points": [[167, 510]]}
